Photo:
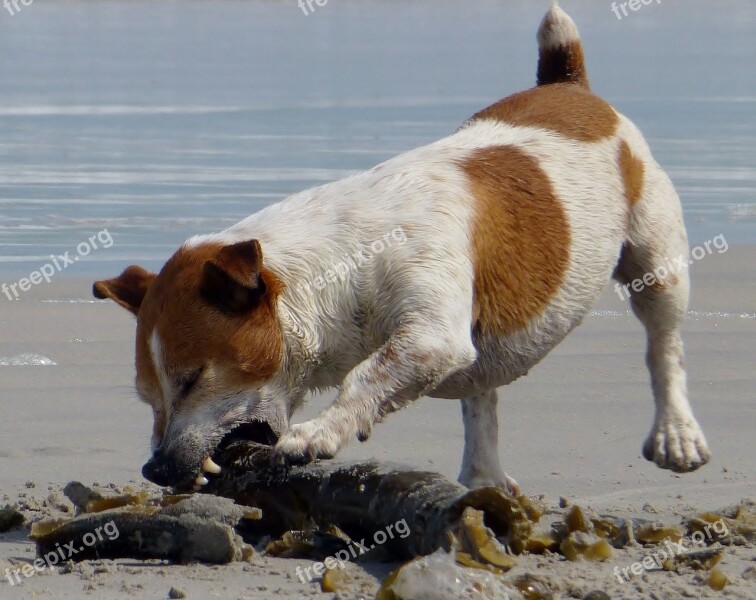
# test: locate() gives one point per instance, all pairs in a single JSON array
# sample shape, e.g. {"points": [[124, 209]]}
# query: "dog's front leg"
{"points": [[414, 361]]}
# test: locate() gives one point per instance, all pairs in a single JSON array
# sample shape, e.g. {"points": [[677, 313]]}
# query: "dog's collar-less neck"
{"points": [[300, 357]]}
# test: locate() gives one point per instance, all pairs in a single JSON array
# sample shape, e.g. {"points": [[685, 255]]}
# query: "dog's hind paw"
{"points": [[678, 446], [502, 481]]}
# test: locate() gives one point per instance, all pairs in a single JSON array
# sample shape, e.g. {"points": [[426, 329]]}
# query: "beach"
{"points": [[572, 428], [127, 127]]}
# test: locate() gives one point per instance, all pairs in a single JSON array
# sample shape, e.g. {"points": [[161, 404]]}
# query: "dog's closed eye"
{"points": [[187, 383]]}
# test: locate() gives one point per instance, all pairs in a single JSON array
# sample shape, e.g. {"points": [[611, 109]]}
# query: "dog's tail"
{"points": [[560, 50]]}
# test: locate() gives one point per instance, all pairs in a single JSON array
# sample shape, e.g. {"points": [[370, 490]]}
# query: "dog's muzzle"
{"points": [[164, 471]]}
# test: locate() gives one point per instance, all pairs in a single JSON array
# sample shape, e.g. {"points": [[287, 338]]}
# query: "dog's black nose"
{"points": [[158, 471]]}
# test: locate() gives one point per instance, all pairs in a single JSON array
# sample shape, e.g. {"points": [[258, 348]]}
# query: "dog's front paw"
{"points": [[307, 441], [677, 445]]}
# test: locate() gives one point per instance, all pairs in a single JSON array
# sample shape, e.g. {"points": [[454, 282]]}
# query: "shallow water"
{"points": [[161, 120]]}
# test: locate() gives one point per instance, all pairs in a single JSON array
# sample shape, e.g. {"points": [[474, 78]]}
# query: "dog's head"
{"points": [[208, 344]]}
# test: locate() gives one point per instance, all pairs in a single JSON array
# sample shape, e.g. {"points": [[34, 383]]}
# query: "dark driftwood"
{"points": [[199, 528], [362, 499]]}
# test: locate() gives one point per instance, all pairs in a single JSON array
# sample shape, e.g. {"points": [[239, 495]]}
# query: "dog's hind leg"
{"points": [[653, 269], [480, 463]]}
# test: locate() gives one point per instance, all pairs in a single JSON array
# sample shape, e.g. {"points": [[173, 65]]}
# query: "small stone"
{"points": [[532, 588], [597, 595], [10, 518], [717, 579], [563, 502], [175, 592], [749, 574], [335, 580]]}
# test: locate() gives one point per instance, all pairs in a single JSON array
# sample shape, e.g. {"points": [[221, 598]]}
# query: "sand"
{"points": [[573, 428]]}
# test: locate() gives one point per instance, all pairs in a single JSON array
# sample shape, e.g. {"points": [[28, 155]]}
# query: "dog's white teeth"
{"points": [[201, 480], [209, 466]]}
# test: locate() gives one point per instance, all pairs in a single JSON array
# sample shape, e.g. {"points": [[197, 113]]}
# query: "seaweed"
{"points": [[10, 518], [194, 529], [362, 499]]}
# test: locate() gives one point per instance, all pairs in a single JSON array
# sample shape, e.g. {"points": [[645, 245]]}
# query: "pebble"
{"points": [[597, 595]]}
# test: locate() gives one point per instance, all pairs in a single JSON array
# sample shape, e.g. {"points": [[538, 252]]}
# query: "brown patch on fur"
{"points": [[193, 332], [520, 239], [564, 64], [245, 348], [563, 108], [633, 171], [128, 289]]}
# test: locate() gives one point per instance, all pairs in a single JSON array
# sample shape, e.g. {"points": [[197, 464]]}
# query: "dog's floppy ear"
{"points": [[231, 282], [128, 289]]}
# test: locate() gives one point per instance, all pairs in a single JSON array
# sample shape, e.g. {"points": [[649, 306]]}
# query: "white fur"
{"points": [[156, 353], [657, 235], [557, 29], [481, 466]]}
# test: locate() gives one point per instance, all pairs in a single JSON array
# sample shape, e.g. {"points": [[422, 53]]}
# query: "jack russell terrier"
{"points": [[510, 229]]}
